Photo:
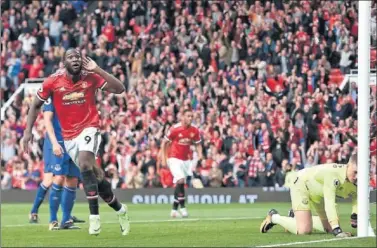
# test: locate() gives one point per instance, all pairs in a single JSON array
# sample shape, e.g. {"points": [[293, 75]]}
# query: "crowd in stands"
{"points": [[263, 79]]}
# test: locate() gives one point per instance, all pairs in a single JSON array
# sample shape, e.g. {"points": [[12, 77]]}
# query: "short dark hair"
{"points": [[68, 50], [187, 109]]}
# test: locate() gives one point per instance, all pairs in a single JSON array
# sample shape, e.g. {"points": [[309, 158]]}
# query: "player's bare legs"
{"points": [[96, 185], [320, 222], [106, 193], [302, 223], [179, 199], [87, 161], [41, 193]]}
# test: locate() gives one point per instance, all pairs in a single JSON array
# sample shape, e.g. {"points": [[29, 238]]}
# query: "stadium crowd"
{"points": [[262, 78]]}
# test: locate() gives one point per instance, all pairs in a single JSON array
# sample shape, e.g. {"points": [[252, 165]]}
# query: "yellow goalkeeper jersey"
{"points": [[326, 182]]}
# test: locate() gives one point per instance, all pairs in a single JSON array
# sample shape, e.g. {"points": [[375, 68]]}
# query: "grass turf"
{"points": [[232, 225]]}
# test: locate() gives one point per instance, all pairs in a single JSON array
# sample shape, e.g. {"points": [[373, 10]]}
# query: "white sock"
{"points": [[122, 210], [274, 218]]}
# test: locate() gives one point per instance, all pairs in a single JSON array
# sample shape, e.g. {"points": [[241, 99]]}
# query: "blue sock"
{"points": [[74, 199], [40, 196], [55, 198], [68, 199]]}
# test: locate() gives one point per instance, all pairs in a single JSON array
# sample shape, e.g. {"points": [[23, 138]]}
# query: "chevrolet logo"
{"points": [[73, 96]]}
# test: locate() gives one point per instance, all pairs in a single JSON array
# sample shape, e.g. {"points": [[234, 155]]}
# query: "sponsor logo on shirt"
{"points": [[185, 141], [74, 98]]}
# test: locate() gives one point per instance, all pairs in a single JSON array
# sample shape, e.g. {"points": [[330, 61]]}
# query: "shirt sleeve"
{"points": [[46, 89], [98, 81], [48, 106], [330, 184], [169, 135], [197, 138]]}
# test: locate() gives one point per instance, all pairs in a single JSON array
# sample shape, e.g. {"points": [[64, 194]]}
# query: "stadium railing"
{"points": [[352, 77]]}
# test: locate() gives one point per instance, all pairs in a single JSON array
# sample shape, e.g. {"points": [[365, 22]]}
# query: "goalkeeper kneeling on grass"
{"points": [[316, 188]]}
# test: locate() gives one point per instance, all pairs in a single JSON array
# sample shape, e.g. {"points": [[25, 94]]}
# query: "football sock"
{"points": [[181, 194], [105, 192], [68, 199], [74, 199], [286, 222], [91, 190], [290, 223], [176, 201], [55, 198], [39, 197]]}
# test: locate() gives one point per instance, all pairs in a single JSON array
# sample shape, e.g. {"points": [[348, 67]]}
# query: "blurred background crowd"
{"points": [[263, 78]]}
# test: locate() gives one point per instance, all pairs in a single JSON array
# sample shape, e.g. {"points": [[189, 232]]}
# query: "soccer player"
{"points": [[52, 162], [316, 188], [63, 169], [43, 188], [73, 96], [180, 137]]}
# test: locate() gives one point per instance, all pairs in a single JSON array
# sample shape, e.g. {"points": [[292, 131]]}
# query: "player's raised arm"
{"points": [[112, 84]]}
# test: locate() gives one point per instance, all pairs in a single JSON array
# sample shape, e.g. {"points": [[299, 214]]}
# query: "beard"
{"points": [[73, 71]]}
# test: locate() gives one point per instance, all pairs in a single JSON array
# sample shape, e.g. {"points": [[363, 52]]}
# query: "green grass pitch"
{"points": [[233, 225]]}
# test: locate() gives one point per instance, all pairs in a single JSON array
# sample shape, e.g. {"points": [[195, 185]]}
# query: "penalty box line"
{"points": [[309, 242], [155, 221]]}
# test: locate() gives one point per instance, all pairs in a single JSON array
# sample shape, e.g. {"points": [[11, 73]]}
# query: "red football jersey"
{"points": [[75, 103], [181, 139]]}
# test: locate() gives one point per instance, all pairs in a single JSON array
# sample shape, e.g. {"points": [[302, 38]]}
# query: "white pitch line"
{"points": [[154, 221], [308, 242]]}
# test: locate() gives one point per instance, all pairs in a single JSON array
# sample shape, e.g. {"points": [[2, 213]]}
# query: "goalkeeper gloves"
{"points": [[338, 233], [354, 220]]}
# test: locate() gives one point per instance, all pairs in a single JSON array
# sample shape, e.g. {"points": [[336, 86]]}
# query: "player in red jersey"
{"points": [[180, 137], [73, 95]]}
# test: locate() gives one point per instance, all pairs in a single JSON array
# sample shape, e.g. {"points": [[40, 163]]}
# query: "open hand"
{"points": [[57, 150], [89, 64], [25, 141]]}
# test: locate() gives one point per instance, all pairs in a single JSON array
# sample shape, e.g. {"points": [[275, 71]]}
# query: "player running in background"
{"points": [[73, 97], [60, 169], [316, 188], [180, 137]]}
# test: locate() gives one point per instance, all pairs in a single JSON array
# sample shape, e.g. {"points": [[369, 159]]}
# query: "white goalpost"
{"points": [[364, 228]]}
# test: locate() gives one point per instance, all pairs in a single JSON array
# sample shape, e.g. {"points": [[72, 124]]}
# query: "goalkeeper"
{"points": [[316, 188]]}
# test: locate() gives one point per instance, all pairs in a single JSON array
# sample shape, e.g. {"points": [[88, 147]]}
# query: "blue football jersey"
{"points": [[48, 106]]}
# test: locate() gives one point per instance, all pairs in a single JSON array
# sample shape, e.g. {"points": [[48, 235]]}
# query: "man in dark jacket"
{"points": [[44, 41]]}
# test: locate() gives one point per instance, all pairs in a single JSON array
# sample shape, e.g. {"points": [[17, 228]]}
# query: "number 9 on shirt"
{"points": [[88, 140]]}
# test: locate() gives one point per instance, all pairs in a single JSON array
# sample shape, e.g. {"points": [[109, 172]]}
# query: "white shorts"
{"points": [[180, 169], [88, 140]]}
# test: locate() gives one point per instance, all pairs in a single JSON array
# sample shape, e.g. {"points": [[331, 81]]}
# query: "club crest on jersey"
{"points": [[336, 183], [84, 84], [305, 201], [58, 167], [61, 89]]}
